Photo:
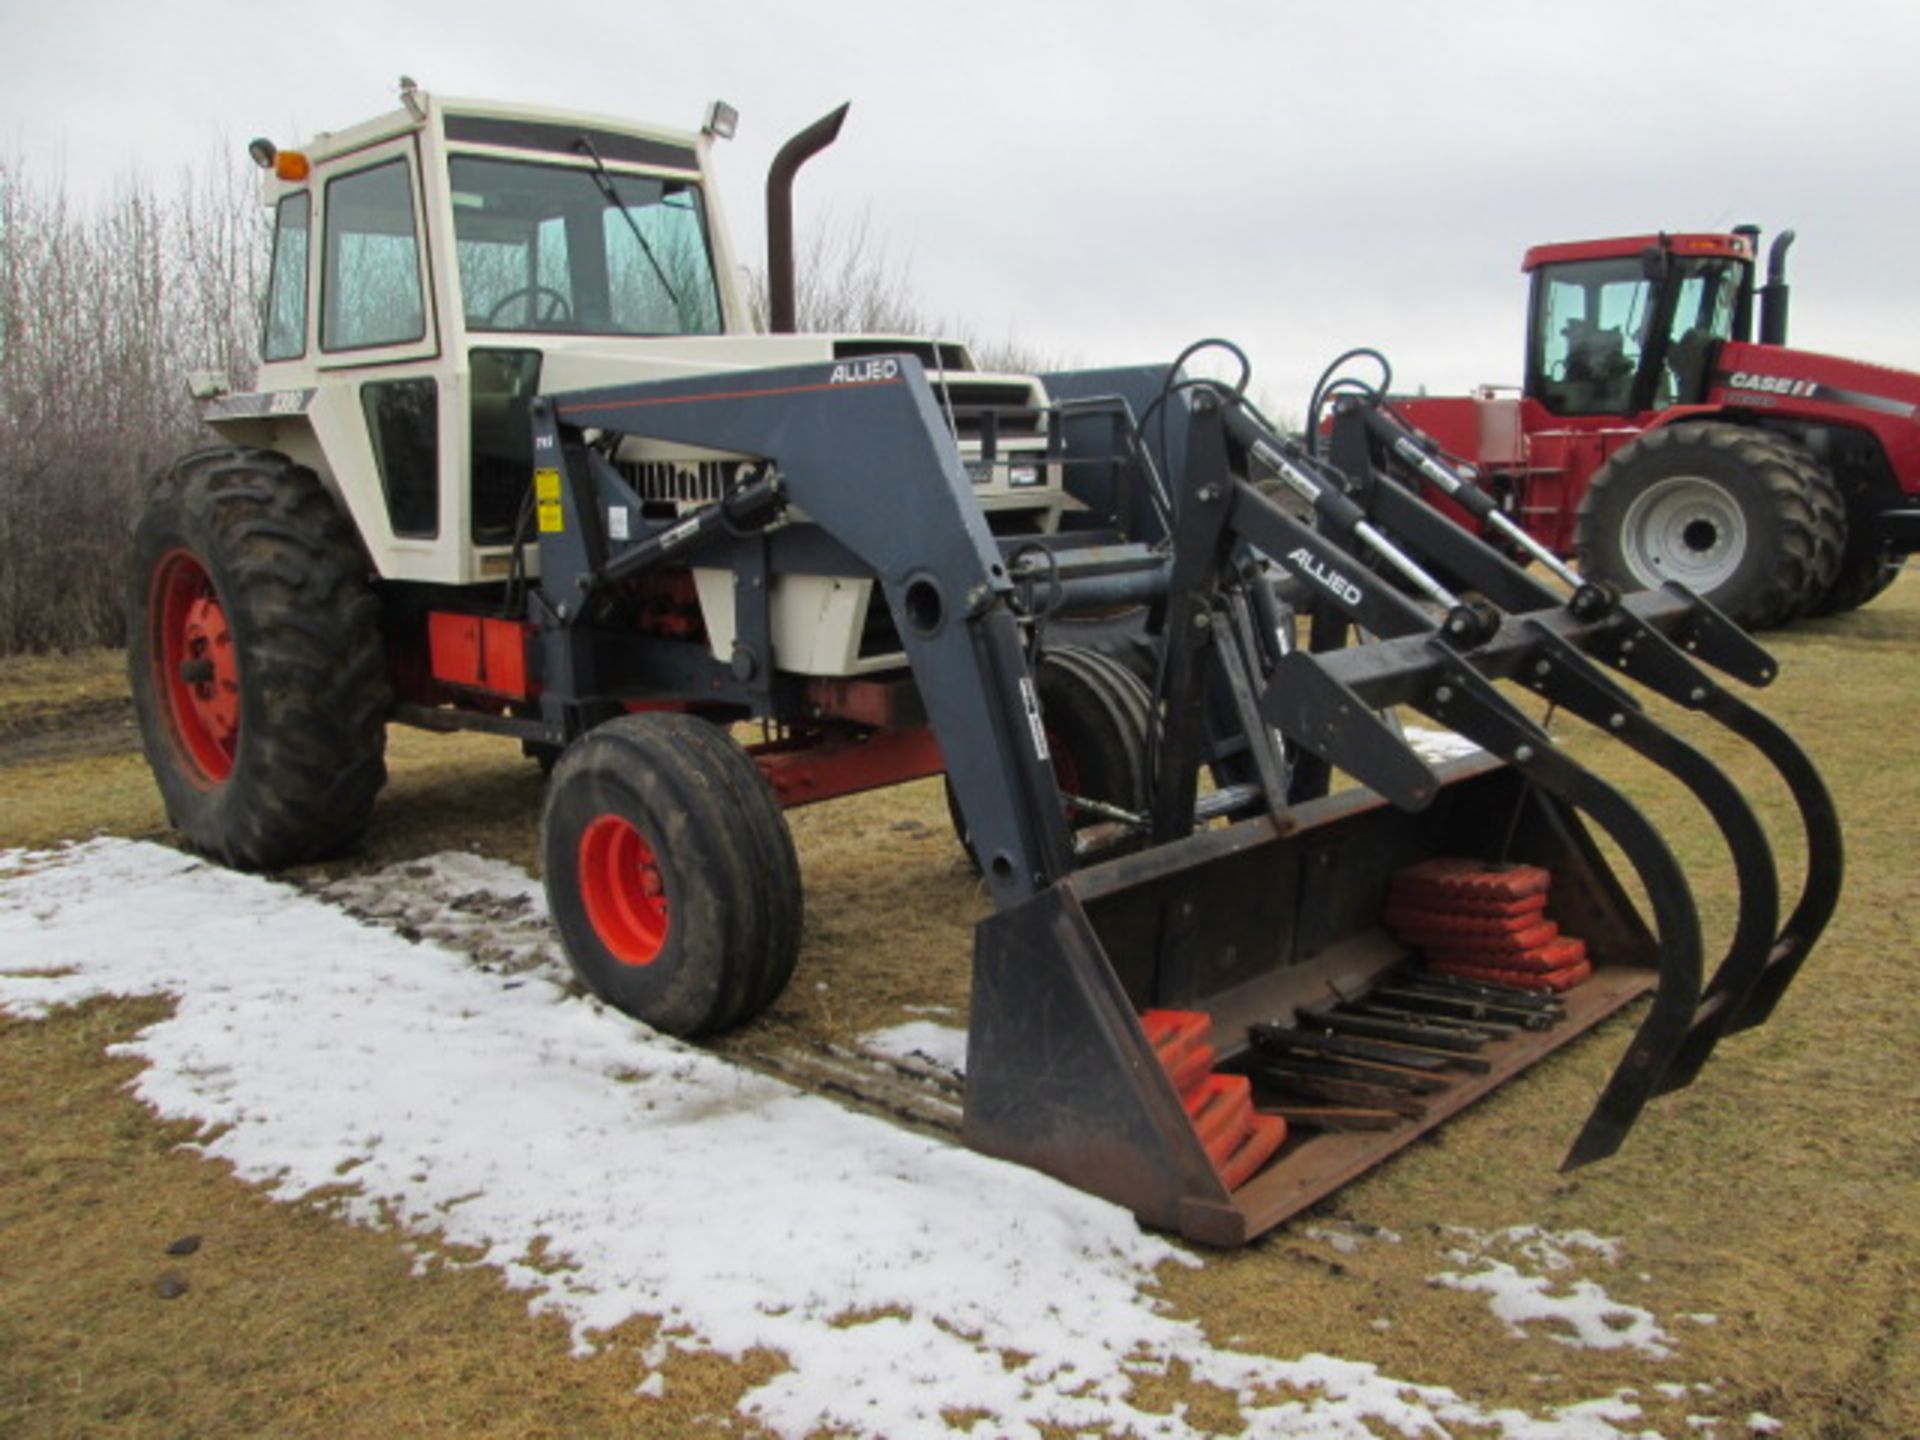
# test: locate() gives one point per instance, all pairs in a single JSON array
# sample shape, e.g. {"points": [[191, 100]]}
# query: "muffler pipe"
{"points": [[795, 153], [1773, 296]]}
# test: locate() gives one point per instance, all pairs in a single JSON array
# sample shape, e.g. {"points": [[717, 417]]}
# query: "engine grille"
{"points": [[990, 414], [680, 481]]}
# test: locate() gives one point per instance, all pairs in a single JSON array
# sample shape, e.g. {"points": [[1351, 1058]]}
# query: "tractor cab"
{"points": [[1621, 327], [437, 268]]}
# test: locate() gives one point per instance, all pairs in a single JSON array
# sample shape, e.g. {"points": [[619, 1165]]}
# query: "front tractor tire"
{"points": [[671, 874], [255, 659], [1741, 517]]}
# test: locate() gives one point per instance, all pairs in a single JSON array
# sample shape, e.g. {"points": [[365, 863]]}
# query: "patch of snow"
{"points": [[1761, 1423], [1552, 1248], [1577, 1311], [612, 1173], [1437, 745], [1701, 1317], [1350, 1237], [942, 1046]]}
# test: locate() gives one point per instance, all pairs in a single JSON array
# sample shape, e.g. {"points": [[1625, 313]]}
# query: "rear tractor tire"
{"points": [[1739, 516], [1864, 572], [670, 873], [1095, 712], [255, 659]]}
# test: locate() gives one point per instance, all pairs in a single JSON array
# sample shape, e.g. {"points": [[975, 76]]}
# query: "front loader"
{"points": [[1214, 985]]}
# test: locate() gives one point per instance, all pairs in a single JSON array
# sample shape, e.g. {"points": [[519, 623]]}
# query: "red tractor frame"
{"points": [[1658, 437]]}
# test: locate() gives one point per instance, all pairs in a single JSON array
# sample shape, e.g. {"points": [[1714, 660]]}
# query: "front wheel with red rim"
{"points": [[622, 892], [670, 874]]}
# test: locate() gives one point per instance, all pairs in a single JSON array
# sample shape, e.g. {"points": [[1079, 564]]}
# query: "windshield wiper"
{"points": [[612, 197]]}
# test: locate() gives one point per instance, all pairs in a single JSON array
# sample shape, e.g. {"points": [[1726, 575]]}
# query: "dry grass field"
{"points": [[1780, 1196]]}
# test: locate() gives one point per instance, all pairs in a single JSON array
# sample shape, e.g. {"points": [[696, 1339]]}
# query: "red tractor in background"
{"points": [[1657, 438]]}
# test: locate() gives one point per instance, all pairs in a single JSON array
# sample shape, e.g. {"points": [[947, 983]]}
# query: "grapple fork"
{"points": [[1275, 928], [1655, 642]]}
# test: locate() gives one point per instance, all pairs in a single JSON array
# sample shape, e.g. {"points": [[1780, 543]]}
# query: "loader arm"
{"points": [[862, 451]]}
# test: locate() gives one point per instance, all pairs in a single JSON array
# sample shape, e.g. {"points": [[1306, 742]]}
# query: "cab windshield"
{"points": [[1608, 340], [546, 248]]}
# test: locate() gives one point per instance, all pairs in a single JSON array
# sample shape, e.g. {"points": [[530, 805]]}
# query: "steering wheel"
{"points": [[557, 308]]}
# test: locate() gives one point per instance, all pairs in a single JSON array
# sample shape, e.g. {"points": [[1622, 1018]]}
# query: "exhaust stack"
{"points": [[795, 153], [1773, 297]]}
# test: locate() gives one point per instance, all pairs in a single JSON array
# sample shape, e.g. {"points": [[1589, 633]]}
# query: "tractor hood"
{"points": [[1806, 390], [590, 364], [1773, 376]]}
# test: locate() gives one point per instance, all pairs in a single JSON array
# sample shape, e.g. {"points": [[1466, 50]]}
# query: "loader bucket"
{"points": [[1276, 932]]}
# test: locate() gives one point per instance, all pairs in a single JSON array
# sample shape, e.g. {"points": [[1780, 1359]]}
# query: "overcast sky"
{"points": [[1110, 180]]}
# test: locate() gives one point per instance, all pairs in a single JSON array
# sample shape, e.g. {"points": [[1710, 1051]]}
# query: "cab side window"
{"points": [[371, 287], [286, 319]]}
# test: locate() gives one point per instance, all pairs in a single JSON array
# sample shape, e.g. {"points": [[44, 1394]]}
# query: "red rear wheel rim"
{"points": [[196, 673], [623, 891]]}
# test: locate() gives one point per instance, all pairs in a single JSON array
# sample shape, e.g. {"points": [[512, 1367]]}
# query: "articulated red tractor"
{"points": [[1658, 438]]}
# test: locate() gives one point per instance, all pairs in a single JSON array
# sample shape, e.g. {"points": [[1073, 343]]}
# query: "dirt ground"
{"points": [[1779, 1196]]}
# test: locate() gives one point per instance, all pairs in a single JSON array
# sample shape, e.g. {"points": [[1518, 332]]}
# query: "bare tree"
{"points": [[849, 282], [103, 313]]}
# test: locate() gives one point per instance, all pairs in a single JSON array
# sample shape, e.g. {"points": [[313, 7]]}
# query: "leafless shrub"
{"points": [[103, 313]]}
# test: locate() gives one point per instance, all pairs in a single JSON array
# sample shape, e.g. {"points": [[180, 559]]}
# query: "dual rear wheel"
{"points": [[1745, 518]]}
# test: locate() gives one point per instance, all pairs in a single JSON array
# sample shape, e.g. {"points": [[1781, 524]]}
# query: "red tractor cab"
{"points": [[1657, 437]]}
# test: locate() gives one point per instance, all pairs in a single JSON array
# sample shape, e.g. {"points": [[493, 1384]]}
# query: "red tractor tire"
{"points": [[1726, 510], [255, 659], [670, 874]]}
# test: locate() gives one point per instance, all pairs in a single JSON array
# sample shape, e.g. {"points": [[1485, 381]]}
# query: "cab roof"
{"points": [[1730, 247]]}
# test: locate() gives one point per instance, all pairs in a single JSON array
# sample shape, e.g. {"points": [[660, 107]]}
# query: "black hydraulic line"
{"points": [[751, 507], [1327, 385]]}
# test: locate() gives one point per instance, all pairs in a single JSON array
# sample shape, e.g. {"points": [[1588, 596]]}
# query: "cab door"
{"points": [[377, 318]]}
